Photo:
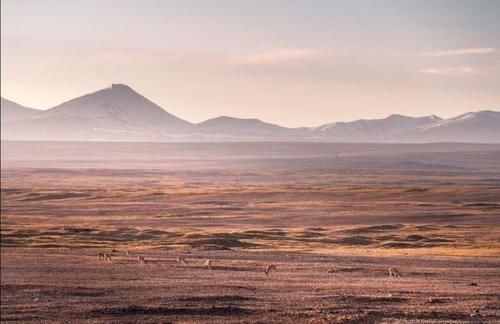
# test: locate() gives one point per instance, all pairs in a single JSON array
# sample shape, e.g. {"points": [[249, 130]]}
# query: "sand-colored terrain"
{"points": [[432, 211]]}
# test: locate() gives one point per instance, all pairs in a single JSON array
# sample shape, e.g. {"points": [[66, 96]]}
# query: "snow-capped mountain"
{"points": [[481, 126], [118, 113], [374, 130]]}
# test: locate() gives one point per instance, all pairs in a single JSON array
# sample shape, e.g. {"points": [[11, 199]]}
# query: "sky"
{"points": [[294, 63]]}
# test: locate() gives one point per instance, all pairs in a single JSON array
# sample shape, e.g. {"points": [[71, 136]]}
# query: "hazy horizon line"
{"points": [[253, 118]]}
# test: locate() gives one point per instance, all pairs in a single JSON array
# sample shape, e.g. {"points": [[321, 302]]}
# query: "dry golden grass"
{"points": [[340, 214], [456, 218]]}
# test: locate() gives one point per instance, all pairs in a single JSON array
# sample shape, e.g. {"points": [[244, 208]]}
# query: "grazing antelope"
{"points": [[394, 273], [181, 260], [269, 268], [208, 265], [331, 270], [141, 259], [104, 256]]}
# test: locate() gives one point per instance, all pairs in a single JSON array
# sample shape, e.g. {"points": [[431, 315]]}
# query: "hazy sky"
{"points": [[296, 63]]}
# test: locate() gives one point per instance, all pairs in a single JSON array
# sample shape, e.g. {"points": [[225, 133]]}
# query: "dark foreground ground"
{"points": [[73, 285], [432, 211]]}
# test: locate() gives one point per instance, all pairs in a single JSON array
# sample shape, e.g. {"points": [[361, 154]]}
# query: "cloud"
{"points": [[456, 70], [278, 57], [462, 51]]}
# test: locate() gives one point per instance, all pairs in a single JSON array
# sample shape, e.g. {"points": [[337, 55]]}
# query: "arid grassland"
{"points": [[332, 217]]}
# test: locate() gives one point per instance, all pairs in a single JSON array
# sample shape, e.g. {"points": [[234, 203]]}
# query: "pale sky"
{"points": [[295, 63]]}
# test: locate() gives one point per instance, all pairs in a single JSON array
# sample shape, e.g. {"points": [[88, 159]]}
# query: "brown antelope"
{"points": [[141, 259], [331, 270], [394, 273], [127, 253], [104, 256], [269, 268], [208, 265], [181, 260]]}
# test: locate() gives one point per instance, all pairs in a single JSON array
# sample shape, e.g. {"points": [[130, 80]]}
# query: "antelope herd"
{"points": [[208, 265]]}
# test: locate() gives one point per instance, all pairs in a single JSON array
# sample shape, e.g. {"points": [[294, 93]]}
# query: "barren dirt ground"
{"points": [[332, 218], [48, 284]]}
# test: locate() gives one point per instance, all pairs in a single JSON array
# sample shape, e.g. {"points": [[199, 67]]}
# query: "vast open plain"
{"points": [[332, 218]]}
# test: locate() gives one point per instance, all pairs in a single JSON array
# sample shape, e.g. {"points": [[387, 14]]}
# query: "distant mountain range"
{"points": [[12, 112], [119, 113]]}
